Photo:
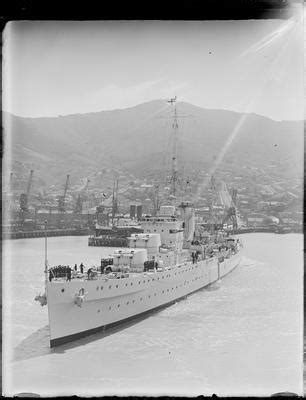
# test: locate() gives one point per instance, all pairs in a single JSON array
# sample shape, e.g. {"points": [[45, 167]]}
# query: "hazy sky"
{"points": [[57, 68]]}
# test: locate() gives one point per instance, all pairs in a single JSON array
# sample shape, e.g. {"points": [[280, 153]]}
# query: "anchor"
{"points": [[42, 298]]}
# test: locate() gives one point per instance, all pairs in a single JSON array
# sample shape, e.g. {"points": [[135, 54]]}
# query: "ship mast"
{"points": [[174, 171]]}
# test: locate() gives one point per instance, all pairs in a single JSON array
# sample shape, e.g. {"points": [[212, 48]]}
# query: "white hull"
{"points": [[111, 301]]}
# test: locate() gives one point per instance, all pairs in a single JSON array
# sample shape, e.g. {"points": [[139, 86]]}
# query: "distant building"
{"points": [[255, 219]]}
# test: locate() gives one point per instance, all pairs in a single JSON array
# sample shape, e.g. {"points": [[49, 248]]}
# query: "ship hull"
{"points": [[110, 302]]}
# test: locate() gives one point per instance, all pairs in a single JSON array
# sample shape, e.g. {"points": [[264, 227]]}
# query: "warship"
{"points": [[160, 266]]}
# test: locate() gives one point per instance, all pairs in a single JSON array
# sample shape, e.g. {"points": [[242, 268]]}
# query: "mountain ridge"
{"points": [[139, 138], [144, 103]]}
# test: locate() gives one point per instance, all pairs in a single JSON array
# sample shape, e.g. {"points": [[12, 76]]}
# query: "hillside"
{"points": [[138, 139]]}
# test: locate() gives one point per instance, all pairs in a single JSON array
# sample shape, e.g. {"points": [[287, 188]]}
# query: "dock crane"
{"points": [[221, 195], [230, 216], [234, 193], [8, 195], [79, 203], [61, 199], [230, 202], [24, 197]]}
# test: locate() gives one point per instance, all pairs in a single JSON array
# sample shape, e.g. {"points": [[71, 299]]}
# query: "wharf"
{"points": [[267, 229], [42, 233]]}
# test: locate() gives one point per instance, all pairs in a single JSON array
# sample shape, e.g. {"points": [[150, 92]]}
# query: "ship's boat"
{"points": [[154, 271]]}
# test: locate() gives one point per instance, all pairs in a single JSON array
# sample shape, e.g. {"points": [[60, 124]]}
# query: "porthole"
{"points": [[139, 283], [126, 284], [116, 286], [118, 305], [110, 287], [163, 291], [171, 288], [131, 283], [101, 287], [127, 303], [63, 290]]}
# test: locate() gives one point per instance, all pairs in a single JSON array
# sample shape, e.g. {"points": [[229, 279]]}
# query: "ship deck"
{"points": [[115, 275]]}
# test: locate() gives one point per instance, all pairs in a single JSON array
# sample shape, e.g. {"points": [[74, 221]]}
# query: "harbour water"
{"points": [[240, 336]]}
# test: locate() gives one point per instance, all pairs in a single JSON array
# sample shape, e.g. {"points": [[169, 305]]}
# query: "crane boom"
{"points": [[66, 186], [87, 183], [30, 182], [80, 198], [24, 197], [61, 199]]}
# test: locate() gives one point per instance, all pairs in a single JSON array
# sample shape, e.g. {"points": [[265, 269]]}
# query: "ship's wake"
{"points": [[249, 262], [213, 286], [35, 345]]}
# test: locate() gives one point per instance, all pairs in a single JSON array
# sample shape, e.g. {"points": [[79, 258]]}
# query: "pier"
{"points": [[42, 233], [268, 229]]}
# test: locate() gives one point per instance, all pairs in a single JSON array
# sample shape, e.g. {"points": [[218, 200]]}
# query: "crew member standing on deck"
{"points": [[68, 274], [82, 268]]}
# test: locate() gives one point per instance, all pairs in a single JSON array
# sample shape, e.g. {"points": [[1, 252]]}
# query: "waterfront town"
{"points": [[265, 199]]}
